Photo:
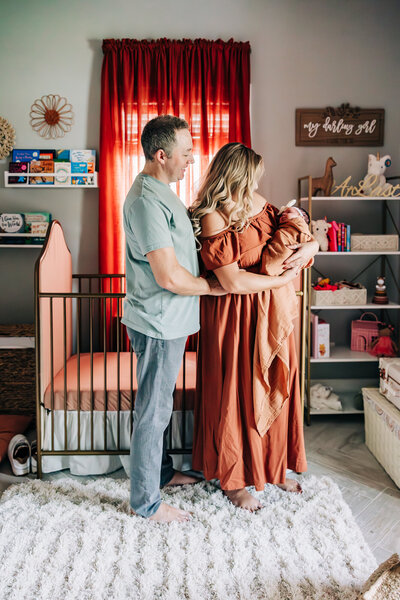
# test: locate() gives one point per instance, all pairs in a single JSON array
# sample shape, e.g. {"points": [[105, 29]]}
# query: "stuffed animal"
{"points": [[320, 229], [384, 345], [374, 183], [322, 396]]}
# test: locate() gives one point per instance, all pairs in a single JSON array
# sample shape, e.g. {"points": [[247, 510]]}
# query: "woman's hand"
{"points": [[216, 288], [302, 255], [288, 276]]}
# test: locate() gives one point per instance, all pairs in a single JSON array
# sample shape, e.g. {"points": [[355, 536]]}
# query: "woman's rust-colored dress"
{"points": [[227, 445]]}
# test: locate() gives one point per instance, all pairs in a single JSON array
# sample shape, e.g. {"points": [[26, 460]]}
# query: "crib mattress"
{"points": [[94, 390]]}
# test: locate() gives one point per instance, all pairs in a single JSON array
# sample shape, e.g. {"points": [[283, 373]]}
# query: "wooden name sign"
{"points": [[340, 126]]}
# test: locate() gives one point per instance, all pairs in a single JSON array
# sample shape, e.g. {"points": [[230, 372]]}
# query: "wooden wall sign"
{"points": [[340, 126]]}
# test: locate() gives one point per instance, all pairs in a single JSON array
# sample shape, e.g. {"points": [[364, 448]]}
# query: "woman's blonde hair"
{"points": [[232, 175]]}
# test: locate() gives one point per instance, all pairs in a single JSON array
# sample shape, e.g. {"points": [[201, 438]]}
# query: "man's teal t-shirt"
{"points": [[155, 218]]}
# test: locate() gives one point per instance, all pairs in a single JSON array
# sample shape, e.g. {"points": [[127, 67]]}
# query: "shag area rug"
{"points": [[76, 541]]}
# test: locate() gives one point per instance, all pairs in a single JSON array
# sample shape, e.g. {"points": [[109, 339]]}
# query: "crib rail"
{"points": [[98, 334]]}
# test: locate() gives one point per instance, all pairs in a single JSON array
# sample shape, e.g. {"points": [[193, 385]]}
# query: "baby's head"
{"points": [[292, 212]]}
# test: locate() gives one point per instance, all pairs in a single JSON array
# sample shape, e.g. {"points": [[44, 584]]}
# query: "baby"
{"points": [[291, 228]]}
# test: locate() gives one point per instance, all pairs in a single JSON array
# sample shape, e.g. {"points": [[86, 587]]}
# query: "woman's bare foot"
{"points": [[291, 485], [182, 479], [166, 514], [242, 499]]}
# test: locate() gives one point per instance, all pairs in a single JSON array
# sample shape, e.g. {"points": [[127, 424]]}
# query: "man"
{"points": [[161, 307]]}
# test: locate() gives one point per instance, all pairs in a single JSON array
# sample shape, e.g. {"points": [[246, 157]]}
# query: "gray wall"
{"points": [[305, 53]]}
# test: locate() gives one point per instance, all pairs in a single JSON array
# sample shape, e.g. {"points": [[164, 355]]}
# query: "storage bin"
{"points": [[340, 297], [382, 431], [389, 379], [17, 373], [364, 332], [371, 243]]}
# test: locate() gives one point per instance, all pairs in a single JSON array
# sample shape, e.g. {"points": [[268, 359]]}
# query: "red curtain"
{"points": [[205, 82]]}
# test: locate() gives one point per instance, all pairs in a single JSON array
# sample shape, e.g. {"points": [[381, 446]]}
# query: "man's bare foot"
{"points": [[182, 479], [243, 499], [291, 485], [166, 514]]}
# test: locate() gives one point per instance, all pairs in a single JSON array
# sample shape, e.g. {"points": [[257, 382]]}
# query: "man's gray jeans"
{"points": [[158, 363]]}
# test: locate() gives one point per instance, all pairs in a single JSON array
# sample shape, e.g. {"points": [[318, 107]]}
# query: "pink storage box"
{"points": [[363, 332]]}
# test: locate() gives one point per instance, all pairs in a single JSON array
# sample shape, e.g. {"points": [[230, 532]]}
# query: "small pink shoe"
{"points": [[19, 455]]}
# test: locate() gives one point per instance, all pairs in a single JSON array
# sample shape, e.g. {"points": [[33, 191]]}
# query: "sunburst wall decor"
{"points": [[7, 137], [51, 116]]}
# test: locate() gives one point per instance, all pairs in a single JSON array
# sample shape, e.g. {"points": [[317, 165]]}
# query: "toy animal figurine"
{"points": [[324, 184], [374, 183], [322, 396], [319, 229]]}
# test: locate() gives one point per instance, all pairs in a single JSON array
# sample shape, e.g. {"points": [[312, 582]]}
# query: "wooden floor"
{"points": [[335, 448]]}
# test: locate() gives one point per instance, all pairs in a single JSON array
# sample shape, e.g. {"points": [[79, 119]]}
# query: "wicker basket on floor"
{"points": [[17, 373], [382, 431]]}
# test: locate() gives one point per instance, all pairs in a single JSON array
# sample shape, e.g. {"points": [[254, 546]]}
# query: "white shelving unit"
{"points": [[347, 388], [51, 186], [345, 354], [358, 253], [19, 235]]}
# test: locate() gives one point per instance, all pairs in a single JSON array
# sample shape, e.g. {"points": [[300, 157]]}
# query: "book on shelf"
{"points": [[59, 164], [62, 173], [36, 223], [41, 166], [18, 167], [320, 331], [343, 231], [82, 179], [82, 167]]}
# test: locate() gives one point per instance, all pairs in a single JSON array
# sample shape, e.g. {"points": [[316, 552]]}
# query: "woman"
{"points": [[248, 424]]}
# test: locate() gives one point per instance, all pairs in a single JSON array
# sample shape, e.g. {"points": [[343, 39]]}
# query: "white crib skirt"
{"points": [[102, 464]]}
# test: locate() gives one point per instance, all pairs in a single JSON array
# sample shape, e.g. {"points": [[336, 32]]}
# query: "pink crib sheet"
{"points": [[126, 382]]}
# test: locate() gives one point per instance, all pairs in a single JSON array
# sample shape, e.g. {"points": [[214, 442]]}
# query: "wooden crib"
{"points": [[86, 369]]}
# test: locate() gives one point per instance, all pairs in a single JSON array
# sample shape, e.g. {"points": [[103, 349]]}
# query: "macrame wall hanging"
{"points": [[51, 116], [7, 137]]}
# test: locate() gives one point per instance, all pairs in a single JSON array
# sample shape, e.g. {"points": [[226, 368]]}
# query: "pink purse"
{"points": [[363, 332]]}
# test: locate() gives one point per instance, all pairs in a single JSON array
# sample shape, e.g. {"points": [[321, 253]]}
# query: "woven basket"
{"points": [[372, 243], [17, 373], [364, 332], [341, 297]]}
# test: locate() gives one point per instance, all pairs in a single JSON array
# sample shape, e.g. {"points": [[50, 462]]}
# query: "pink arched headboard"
{"points": [[53, 274]]}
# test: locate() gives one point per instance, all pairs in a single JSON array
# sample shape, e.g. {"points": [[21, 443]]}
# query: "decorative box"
{"points": [[372, 243], [340, 297], [389, 379], [364, 332], [382, 431]]}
